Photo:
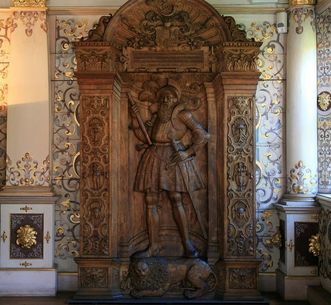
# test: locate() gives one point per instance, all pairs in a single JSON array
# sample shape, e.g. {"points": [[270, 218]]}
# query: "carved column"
{"points": [[26, 202], [96, 80], [239, 266], [298, 211]]}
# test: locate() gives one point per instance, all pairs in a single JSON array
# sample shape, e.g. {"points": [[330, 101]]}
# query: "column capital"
{"points": [[294, 3]]}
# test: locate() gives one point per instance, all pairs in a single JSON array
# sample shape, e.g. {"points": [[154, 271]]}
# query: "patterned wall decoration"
{"points": [[27, 172], [269, 135], [66, 135], [29, 19], [6, 28], [270, 141], [324, 99]]}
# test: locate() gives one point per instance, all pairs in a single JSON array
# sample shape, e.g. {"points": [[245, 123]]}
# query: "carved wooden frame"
{"points": [[116, 52]]}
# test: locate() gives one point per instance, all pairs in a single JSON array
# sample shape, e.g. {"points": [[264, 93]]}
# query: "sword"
{"points": [[177, 148]]}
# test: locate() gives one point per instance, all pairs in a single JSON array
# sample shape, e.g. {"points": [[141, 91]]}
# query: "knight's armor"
{"points": [[156, 172]]}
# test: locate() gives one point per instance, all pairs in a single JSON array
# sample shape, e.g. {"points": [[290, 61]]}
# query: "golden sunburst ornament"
{"points": [[26, 237]]}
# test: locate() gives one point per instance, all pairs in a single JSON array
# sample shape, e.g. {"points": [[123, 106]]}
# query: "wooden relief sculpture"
{"points": [[167, 165], [168, 157]]}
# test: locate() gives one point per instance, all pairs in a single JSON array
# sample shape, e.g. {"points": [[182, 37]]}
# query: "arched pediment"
{"points": [[167, 24], [166, 35]]}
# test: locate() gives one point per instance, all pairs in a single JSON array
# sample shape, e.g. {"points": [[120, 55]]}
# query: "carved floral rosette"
{"points": [[95, 175], [240, 166]]}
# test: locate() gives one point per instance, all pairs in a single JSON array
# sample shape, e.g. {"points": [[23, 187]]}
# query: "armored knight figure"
{"points": [[167, 165]]}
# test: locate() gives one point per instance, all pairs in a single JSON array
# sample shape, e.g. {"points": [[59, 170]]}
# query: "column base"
{"points": [[238, 279], [295, 287], [36, 282]]}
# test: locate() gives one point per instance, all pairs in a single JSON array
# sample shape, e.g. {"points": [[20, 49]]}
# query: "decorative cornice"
{"points": [[301, 2], [29, 3], [97, 10]]}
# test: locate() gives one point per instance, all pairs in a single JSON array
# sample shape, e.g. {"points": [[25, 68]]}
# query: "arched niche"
{"points": [[145, 46]]}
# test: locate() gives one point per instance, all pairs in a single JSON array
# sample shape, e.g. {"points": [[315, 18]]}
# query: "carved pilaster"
{"points": [[95, 175], [240, 183]]}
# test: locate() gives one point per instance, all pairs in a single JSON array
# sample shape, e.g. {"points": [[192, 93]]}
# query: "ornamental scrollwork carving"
{"points": [[237, 33], [242, 278], [94, 59], [240, 237], [240, 59], [96, 34], [170, 29], [95, 171], [94, 277]]}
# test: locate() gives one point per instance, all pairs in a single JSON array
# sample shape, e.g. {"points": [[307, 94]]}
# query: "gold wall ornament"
{"points": [[4, 236], [302, 2], [300, 15], [26, 237], [29, 3], [275, 240], [315, 245], [301, 180], [28, 172], [47, 237], [324, 101], [25, 264], [30, 19], [26, 209], [290, 245]]}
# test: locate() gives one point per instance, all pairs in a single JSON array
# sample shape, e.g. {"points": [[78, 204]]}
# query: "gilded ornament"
{"points": [[26, 237], [301, 179], [324, 101], [25, 264], [275, 241], [4, 236], [29, 3], [301, 2], [26, 209], [290, 245], [300, 15], [47, 237], [315, 245]]}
